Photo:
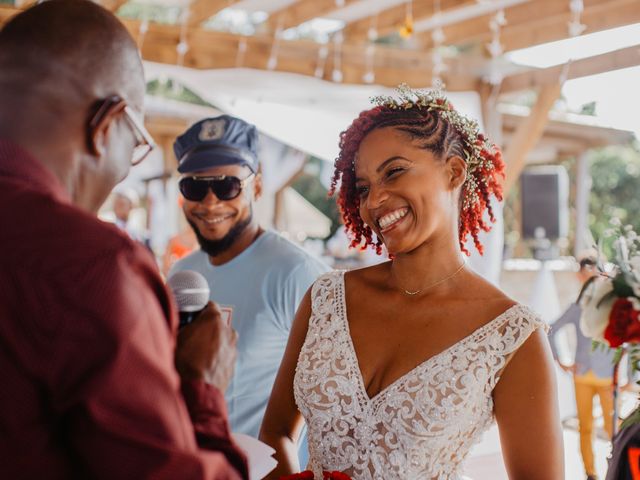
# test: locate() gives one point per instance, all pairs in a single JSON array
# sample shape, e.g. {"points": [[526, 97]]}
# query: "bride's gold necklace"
{"points": [[442, 280]]}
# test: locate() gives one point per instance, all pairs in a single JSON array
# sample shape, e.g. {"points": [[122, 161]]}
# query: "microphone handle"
{"points": [[187, 317]]}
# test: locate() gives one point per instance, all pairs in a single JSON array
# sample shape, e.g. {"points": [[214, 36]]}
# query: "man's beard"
{"points": [[213, 248]]}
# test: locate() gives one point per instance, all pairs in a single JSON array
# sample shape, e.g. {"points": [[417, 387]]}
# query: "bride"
{"points": [[399, 368]]}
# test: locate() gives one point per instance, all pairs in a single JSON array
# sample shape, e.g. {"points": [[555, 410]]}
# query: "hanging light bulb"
{"points": [[575, 26], [406, 30], [336, 75], [323, 53], [242, 50], [369, 75]]}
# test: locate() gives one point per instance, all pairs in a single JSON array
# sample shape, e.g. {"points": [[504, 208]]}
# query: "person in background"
{"points": [[256, 275], [88, 353], [179, 246], [592, 372], [125, 200]]}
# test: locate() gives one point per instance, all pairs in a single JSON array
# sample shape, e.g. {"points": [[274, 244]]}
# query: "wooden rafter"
{"points": [[538, 22], [528, 134], [201, 10], [112, 5], [211, 49], [390, 20], [301, 11], [596, 17], [606, 62]]}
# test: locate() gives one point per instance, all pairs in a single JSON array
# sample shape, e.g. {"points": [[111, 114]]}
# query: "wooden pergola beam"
{"points": [[538, 22], [528, 134], [596, 17], [606, 62], [301, 11], [390, 20], [211, 49], [202, 10], [112, 5]]}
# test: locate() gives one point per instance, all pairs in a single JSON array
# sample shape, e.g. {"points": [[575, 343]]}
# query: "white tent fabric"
{"points": [[304, 112]]}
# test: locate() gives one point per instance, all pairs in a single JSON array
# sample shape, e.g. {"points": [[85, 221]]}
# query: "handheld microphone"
{"points": [[191, 291]]}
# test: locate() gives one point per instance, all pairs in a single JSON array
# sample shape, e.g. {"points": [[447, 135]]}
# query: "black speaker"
{"points": [[545, 202]]}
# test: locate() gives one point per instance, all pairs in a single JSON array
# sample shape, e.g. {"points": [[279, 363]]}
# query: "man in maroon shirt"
{"points": [[87, 329]]}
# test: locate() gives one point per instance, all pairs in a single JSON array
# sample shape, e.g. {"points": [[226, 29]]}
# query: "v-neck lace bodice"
{"points": [[422, 425]]}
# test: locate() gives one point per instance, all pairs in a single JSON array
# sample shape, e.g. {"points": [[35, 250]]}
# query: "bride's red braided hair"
{"points": [[436, 134]]}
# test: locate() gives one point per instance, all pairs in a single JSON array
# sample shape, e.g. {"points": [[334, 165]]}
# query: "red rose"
{"points": [[623, 324], [335, 476]]}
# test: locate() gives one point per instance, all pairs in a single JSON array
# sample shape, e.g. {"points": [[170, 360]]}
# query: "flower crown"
{"points": [[479, 152]]}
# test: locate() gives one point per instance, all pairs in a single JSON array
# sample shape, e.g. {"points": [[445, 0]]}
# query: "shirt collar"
{"points": [[17, 163]]}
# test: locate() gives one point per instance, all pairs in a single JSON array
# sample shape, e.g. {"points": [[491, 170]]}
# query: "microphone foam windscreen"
{"points": [[190, 290]]}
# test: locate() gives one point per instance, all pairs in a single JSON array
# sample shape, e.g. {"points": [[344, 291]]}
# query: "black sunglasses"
{"points": [[225, 187]]}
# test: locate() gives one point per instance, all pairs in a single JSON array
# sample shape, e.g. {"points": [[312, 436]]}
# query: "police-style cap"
{"points": [[223, 140]]}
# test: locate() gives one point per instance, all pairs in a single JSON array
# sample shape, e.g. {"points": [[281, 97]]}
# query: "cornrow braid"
{"points": [[434, 132]]}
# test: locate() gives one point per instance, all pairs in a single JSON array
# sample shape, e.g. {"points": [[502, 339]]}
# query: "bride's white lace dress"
{"points": [[423, 425]]}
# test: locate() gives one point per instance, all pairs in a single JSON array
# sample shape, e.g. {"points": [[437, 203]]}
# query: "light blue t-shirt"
{"points": [[264, 286]]}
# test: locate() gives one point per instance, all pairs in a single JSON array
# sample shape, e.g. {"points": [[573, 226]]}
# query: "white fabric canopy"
{"points": [[304, 112]]}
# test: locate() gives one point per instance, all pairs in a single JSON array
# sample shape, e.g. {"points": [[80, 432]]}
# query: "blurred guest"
{"points": [[592, 372], [89, 381], [256, 274], [125, 200]]}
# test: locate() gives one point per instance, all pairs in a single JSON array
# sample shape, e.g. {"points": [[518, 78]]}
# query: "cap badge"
{"points": [[212, 130]]}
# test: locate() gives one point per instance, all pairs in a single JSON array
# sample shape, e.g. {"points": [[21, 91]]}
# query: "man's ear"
{"points": [[98, 134], [457, 170], [257, 186]]}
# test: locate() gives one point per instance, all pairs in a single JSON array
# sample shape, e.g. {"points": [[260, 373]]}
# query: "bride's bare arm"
{"points": [[282, 421], [526, 409]]}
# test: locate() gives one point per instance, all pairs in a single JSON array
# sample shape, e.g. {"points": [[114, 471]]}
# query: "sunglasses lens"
{"points": [[194, 190], [228, 188]]}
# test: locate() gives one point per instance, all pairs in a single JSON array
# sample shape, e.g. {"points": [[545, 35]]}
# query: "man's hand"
{"points": [[206, 349]]}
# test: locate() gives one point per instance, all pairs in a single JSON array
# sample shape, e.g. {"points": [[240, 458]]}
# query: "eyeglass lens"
{"points": [[195, 189]]}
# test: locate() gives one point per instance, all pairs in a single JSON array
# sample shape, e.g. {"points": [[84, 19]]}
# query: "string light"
{"points": [[575, 28], [369, 75], [183, 45], [336, 75], [323, 53], [406, 31], [242, 50], [495, 48], [142, 32], [438, 38], [272, 63]]}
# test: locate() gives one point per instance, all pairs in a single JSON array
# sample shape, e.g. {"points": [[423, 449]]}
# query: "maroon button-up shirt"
{"points": [[88, 387]]}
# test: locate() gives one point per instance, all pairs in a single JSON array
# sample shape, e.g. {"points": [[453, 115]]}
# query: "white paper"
{"points": [[259, 455]]}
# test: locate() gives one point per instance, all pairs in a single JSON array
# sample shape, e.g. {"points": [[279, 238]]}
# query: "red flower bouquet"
{"points": [[610, 303]]}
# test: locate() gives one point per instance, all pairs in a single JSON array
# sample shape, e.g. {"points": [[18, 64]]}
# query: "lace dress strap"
{"points": [[324, 294], [517, 326]]}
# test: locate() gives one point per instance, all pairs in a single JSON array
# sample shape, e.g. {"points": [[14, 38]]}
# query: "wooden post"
{"points": [[528, 133], [583, 187]]}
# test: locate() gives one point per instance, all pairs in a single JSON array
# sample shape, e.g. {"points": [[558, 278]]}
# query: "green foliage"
{"points": [[174, 91], [308, 185], [151, 13], [615, 190], [588, 109]]}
